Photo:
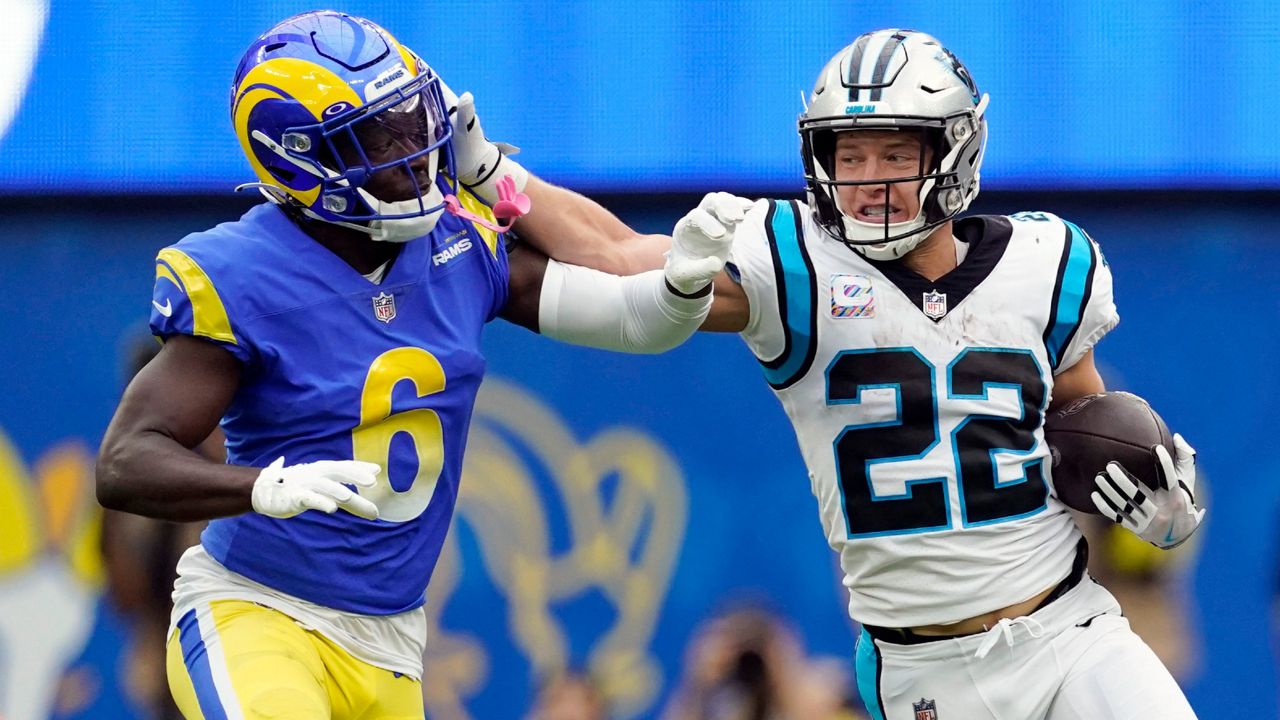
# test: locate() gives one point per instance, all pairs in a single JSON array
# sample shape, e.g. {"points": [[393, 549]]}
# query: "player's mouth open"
{"points": [[876, 214]]}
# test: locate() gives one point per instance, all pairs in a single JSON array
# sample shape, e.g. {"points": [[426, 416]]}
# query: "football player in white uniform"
{"points": [[916, 355]]}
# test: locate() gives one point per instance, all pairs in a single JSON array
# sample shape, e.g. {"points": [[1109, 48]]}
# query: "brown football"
{"points": [[1086, 434]]}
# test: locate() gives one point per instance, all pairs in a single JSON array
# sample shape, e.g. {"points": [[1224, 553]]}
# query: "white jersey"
{"points": [[919, 405]]}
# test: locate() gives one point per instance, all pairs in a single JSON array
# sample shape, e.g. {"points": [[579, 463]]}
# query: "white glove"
{"points": [[480, 163], [1165, 517], [282, 492], [701, 241]]}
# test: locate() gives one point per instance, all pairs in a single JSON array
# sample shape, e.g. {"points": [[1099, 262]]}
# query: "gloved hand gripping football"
{"points": [[1164, 517]]}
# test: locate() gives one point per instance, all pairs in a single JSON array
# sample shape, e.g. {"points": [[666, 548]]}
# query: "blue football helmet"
{"points": [[339, 119]]}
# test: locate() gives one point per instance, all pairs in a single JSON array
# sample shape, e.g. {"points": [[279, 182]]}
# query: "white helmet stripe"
{"points": [[855, 64], [870, 59]]}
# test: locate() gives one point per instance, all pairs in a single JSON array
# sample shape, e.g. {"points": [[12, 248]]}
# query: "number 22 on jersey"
{"points": [[912, 430]]}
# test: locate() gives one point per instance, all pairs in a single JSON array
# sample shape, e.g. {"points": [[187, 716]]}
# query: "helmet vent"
{"points": [[273, 47]]}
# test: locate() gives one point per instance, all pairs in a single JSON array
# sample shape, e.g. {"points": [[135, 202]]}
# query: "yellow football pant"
{"points": [[236, 660]]}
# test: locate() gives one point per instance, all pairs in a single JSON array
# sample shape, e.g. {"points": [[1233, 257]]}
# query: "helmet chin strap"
{"points": [[910, 233], [397, 230], [889, 249], [404, 229]]}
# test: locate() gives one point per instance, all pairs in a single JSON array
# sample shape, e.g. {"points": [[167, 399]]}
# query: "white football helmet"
{"points": [[895, 80]]}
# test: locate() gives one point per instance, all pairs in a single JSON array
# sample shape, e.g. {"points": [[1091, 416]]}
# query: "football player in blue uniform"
{"points": [[916, 354], [334, 333]]}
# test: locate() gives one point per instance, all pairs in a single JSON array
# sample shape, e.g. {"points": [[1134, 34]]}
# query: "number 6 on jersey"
{"points": [[371, 440]]}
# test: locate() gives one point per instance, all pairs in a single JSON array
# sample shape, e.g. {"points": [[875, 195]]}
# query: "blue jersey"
{"points": [[336, 367]]}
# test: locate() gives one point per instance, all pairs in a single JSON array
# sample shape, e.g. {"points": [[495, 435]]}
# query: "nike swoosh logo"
{"points": [[166, 309]]}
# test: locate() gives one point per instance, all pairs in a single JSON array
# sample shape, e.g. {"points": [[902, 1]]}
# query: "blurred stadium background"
{"points": [[613, 505]]}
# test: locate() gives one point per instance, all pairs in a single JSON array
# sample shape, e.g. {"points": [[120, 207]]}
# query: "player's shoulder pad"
{"points": [[775, 221], [1066, 228], [204, 279], [186, 298], [756, 235], [1081, 308]]}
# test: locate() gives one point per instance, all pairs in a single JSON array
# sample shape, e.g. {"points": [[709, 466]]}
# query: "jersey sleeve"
{"points": [[751, 265], [185, 301], [772, 264], [1084, 308]]}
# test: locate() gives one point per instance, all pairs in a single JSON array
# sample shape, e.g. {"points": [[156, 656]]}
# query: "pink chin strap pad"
{"points": [[511, 205]]}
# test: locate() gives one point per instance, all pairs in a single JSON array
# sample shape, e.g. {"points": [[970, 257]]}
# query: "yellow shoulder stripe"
{"points": [[477, 206], [163, 271], [209, 317]]}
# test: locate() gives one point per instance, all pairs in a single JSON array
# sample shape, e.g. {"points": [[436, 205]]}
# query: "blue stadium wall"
{"points": [[691, 452]]}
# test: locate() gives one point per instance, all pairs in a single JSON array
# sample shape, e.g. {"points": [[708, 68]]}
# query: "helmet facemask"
{"points": [[382, 164]]}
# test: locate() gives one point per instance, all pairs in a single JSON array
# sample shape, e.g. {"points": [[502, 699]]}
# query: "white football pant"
{"points": [[1075, 659]]}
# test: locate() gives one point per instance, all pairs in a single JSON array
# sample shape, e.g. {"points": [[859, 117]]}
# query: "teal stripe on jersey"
{"points": [[796, 293], [866, 667], [1073, 294]]}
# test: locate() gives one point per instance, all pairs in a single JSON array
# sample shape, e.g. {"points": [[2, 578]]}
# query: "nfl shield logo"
{"points": [[384, 307], [935, 304], [925, 710]]}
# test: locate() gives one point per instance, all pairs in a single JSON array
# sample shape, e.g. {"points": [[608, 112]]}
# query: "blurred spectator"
{"points": [[747, 665], [120, 672], [571, 695]]}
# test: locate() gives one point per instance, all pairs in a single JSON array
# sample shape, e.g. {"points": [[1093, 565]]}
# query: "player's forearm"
{"points": [[635, 314], [148, 473], [575, 229]]}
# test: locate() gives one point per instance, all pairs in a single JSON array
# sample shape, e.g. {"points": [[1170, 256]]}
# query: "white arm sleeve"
{"points": [[634, 314]]}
